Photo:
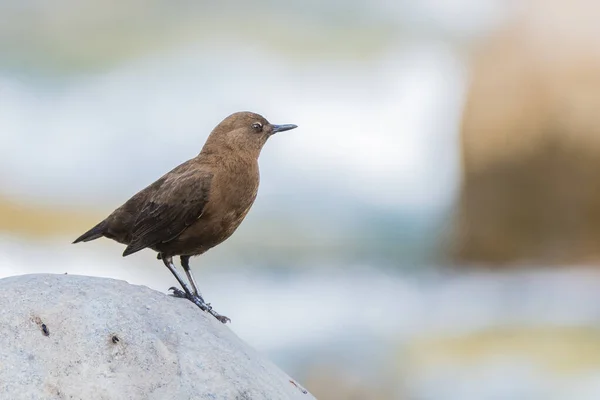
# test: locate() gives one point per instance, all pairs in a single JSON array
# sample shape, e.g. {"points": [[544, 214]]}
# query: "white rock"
{"points": [[106, 339]]}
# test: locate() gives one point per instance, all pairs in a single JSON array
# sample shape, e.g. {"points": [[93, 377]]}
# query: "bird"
{"points": [[197, 205]]}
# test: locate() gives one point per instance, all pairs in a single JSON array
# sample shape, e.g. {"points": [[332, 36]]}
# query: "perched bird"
{"points": [[198, 204]]}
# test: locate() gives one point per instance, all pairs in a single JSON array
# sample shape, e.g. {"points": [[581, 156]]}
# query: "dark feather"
{"points": [[168, 212], [94, 233]]}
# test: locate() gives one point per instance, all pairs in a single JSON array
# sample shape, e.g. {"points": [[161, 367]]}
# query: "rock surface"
{"points": [[79, 337]]}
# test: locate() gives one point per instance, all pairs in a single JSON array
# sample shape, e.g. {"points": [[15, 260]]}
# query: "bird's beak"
{"points": [[281, 128]]}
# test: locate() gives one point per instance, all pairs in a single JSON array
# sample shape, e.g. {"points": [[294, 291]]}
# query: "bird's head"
{"points": [[243, 132]]}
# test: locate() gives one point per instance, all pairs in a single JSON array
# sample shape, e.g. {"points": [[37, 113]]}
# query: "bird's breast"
{"points": [[228, 205], [239, 206]]}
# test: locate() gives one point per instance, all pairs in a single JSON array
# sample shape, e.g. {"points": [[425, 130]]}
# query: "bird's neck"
{"points": [[228, 157], [223, 150]]}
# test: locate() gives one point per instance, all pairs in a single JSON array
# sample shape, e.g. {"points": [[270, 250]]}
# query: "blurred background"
{"points": [[430, 231]]}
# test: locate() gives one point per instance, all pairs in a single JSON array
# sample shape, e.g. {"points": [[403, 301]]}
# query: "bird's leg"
{"points": [[168, 261], [185, 263], [187, 293]]}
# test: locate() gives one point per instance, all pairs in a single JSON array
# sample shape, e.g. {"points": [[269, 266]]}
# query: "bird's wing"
{"points": [[178, 202]]}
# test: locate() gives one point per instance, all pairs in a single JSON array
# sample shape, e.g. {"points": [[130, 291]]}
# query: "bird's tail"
{"points": [[94, 233]]}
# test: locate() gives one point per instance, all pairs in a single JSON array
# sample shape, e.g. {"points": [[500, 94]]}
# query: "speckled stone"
{"points": [[79, 337]]}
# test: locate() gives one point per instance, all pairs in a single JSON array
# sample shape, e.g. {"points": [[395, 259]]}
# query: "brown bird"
{"points": [[198, 204]]}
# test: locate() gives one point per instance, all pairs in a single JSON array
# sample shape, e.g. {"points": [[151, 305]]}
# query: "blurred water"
{"points": [[380, 133]]}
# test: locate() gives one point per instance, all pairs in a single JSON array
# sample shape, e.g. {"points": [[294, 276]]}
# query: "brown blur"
{"points": [[530, 140]]}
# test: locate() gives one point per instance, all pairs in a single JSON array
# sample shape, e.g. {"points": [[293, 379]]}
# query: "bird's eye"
{"points": [[257, 126]]}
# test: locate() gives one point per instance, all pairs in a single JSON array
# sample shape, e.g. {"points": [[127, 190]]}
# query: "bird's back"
{"points": [[120, 223], [187, 211]]}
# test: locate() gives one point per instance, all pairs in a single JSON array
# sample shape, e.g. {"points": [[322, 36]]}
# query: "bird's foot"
{"points": [[178, 293], [199, 301], [219, 317]]}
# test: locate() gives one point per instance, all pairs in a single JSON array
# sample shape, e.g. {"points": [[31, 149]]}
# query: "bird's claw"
{"points": [[199, 301], [221, 318], [178, 293]]}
